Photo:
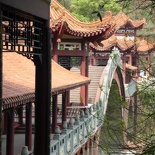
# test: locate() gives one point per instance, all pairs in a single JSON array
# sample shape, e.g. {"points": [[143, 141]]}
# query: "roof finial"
{"points": [[121, 9]]}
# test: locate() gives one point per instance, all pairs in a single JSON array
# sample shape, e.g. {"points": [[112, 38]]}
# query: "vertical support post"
{"points": [[54, 112], [83, 90], [55, 48], [4, 122], [64, 107], [86, 86], [84, 72], [43, 97], [137, 63], [1, 78], [68, 97], [10, 132], [28, 134], [20, 114]]}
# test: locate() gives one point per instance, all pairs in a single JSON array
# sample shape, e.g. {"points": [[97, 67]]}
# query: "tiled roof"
{"points": [[143, 46], [19, 79], [121, 19], [61, 17], [106, 45], [124, 44]]}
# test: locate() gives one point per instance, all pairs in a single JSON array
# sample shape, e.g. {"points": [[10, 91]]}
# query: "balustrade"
{"points": [[77, 132]]}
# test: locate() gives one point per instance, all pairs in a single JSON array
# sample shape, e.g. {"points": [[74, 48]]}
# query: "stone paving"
{"points": [[19, 142]]}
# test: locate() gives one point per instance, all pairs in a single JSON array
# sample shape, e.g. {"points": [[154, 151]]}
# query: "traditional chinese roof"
{"points": [[106, 45], [123, 44], [143, 46], [19, 79], [121, 20], [130, 67], [62, 20]]}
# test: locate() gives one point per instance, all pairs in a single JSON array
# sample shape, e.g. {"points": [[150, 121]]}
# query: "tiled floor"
{"points": [[18, 143]]}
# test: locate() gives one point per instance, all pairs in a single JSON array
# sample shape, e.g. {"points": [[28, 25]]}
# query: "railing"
{"points": [[113, 62], [130, 89], [78, 131]]}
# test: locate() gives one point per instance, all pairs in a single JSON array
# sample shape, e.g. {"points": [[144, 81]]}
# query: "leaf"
{"points": [[101, 7], [94, 12], [99, 15]]}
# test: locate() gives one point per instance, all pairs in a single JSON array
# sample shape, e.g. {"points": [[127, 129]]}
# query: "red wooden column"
{"points": [[55, 48], [10, 132], [20, 114], [68, 97], [43, 96], [137, 59], [54, 112], [28, 134], [94, 63], [83, 88], [64, 106], [84, 72], [86, 86], [4, 122]]}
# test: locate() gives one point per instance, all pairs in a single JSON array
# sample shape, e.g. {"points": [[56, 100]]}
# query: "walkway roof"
{"points": [[124, 44], [19, 79]]}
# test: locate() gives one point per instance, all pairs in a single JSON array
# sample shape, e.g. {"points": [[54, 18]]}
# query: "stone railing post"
{"points": [[57, 133], [24, 150]]}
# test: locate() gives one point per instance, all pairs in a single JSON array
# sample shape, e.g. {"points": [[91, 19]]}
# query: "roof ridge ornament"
{"points": [[121, 11]]}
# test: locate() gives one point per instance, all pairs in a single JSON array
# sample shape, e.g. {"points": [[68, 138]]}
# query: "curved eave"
{"points": [[61, 17], [138, 24], [113, 41], [122, 20], [124, 44], [143, 46]]}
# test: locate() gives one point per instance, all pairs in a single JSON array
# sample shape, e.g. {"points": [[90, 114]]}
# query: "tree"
{"points": [[83, 9]]}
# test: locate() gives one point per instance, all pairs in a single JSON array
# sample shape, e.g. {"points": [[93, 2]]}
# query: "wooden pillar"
{"points": [[83, 88], [137, 71], [64, 107], [55, 48], [28, 134], [43, 96], [4, 122], [130, 59], [86, 86], [68, 97], [84, 72], [1, 73], [54, 112], [10, 132], [20, 114]]}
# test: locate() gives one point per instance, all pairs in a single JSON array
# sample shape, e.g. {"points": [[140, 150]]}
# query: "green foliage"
{"points": [[83, 9]]}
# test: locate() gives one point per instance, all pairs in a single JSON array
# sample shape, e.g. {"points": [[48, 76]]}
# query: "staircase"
{"points": [[95, 74], [75, 93]]}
